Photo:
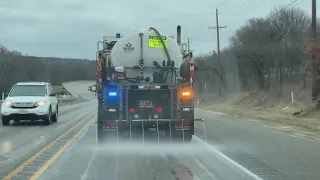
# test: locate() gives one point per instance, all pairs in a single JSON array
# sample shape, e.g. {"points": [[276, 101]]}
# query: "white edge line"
{"points": [[204, 168], [195, 177], [85, 174], [245, 170], [210, 111]]}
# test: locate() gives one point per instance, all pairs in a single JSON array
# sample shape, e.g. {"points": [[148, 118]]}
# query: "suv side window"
{"points": [[46, 89], [50, 89]]}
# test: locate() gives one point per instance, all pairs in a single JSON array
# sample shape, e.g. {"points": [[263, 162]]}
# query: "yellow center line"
{"points": [[34, 157], [60, 152]]}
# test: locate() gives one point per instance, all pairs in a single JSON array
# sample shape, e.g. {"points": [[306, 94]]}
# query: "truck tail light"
{"points": [[182, 123], [109, 124], [99, 75]]}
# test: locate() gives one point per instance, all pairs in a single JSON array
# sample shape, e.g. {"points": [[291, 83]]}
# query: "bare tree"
{"points": [[16, 67], [265, 51]]}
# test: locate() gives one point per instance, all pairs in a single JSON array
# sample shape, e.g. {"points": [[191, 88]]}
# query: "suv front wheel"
{"points": [[48, 118], [55, 116], [5, 121]]}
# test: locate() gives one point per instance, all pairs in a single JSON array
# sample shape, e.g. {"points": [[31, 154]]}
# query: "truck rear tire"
{"points": [[100, 136], [105, 135], [100, 133], [178, 136]]}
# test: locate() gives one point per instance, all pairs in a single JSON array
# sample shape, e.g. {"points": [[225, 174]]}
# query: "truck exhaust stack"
{"points": [[179, 34]]}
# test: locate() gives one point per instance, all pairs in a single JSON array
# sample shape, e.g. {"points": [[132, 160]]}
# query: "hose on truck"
{"points": [[166, 51]]}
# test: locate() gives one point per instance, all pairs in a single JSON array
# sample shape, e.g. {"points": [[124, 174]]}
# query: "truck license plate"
{"points": [[145, 103], [23, 112]]}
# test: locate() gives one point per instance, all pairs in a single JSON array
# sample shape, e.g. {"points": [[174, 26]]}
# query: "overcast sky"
{"points": [[71, 28]]}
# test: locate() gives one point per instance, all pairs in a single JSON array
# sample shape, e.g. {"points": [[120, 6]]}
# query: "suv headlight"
{"points": [[7, 103], [41, 103]]}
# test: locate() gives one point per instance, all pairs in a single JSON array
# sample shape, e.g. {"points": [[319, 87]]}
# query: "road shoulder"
{"points": [[301, 127]]}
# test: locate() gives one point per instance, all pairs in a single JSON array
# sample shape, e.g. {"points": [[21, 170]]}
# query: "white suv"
{"points": [[30, 101]]}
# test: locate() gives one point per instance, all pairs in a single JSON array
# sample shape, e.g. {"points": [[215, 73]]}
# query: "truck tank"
{"points": [[129, 50]]}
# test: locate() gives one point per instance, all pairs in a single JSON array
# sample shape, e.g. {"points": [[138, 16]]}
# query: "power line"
{"points": [[240, 9], [222, 2], [235, 4], [298, 3]]}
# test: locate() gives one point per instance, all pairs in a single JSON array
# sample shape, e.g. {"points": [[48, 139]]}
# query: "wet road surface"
{"points": [[136, 161], [21, 140]]}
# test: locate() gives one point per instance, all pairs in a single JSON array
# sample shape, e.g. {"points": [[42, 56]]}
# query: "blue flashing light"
{"points": [[118, 35], [112, 93]]}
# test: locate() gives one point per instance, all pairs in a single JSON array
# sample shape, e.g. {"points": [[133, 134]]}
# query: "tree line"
{"points": [[16, 67], [265, 51]]}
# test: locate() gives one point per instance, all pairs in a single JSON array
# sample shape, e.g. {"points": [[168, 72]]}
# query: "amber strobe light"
{"points": [[186, 93]]}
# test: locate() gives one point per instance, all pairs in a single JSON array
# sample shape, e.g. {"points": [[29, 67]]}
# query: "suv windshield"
{"points": [[28, 90]]}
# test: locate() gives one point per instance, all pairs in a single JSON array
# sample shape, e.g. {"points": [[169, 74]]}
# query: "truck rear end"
{"points": [[148, 106], [135, 98]]}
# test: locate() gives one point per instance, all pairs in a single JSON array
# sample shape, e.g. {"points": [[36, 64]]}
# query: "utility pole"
{"points": [[220, 70], [189, 50], [188, 45], [316, 67]]}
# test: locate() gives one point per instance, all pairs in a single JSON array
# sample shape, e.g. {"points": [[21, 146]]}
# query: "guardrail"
{"points": [[2, 97], [72, 96], [61, 98], [73, 82], [64, 98]]}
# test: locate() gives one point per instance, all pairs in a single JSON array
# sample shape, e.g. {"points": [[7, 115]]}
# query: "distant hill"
{"points": [[15, 67]]}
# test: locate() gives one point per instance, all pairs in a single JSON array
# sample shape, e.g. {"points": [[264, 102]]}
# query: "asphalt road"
{"points": [[235, 149], [21, 140], [265, 152]]}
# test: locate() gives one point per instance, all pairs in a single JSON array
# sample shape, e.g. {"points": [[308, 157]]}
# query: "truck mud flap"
{"points": [[184, 126], [110, 125]]}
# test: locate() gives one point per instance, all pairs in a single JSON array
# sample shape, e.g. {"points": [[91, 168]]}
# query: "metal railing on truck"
{"points": [[124, 88]]}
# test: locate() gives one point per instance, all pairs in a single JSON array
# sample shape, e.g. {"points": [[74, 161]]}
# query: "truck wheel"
{"points": [[48, 118], [100, 136], [5, 121], [178, 136], [187, 137]]}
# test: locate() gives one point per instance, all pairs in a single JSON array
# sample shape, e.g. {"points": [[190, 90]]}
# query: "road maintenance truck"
{"points": [[145, 80]]}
